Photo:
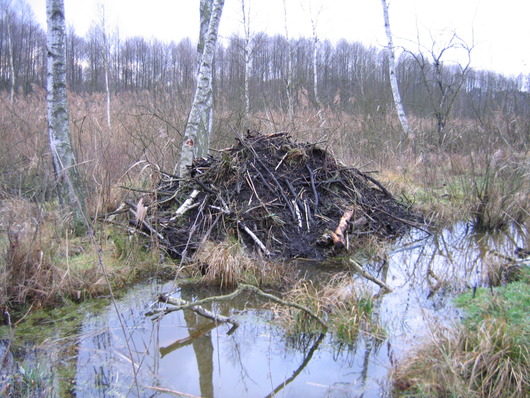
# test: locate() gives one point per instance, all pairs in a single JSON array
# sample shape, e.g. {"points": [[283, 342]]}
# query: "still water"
{"points": [[91, 351]]}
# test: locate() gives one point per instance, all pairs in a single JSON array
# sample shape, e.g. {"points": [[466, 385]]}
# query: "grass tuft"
{"points": [[487, 356], [347, 309], [227, 264]]}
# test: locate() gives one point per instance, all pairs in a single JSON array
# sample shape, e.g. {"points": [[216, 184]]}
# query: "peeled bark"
{"points": [[392, 72], [69, 188], [198, 129]]}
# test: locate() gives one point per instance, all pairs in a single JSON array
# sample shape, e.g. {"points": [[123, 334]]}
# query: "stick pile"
{"points": [[275, 196]]}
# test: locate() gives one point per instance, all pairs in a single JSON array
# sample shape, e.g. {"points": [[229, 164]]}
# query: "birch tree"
{"points": [[68, 181], [247, 51], [289, 78], [7, 19], [392, 72], [106, 55], [199, 126], [315, 39]]}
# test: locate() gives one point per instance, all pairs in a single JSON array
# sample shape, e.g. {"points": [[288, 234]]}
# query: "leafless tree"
{"points": [[6, 8], [247, 52], [69, 187], [103, 30], [392, 72], [442, 82], [198, 129], [289, 78]]}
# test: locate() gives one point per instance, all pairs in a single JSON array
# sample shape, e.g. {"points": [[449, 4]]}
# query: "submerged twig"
{"points": [[366, 275]]}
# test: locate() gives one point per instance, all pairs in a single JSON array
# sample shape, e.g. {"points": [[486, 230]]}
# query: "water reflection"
{"points": [[101, 354]]}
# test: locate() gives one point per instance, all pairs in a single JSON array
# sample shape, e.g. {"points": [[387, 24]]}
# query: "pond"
{"points": [[110, 349]]}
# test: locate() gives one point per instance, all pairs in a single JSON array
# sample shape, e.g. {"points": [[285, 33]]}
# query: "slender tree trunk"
{"points": [[289, 79], [315, 57], [69, 187], [315, 68], [247, 55], [106, 63], [7, 20], [197, 134], [392, 72]]}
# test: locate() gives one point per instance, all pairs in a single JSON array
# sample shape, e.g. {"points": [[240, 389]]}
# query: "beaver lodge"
{"points": [[277, 197]]}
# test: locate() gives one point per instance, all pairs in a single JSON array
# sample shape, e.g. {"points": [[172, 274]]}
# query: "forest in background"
{"points": [[463, 121]]}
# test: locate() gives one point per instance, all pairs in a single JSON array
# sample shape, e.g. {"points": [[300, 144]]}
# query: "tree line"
{"points": [[352, 78]]}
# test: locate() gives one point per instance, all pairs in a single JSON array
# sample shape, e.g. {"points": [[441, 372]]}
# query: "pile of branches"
{"points": [[275, 196]]}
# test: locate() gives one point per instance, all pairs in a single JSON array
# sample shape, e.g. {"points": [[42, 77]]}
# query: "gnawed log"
{"points": [[338, 236]]}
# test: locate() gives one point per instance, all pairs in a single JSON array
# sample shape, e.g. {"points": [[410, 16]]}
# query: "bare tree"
{"points": [[443, 83], [6, 7], [247, 53], [106, 55], [315, 41], [198, 129], [289, 78], [392, 72], [69, 187]]}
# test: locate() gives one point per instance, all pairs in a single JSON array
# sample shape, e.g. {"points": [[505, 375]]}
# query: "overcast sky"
{"points": [[498, 29]]}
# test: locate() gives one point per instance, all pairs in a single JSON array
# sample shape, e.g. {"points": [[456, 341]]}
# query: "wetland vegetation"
{"points": [[429, 297]]}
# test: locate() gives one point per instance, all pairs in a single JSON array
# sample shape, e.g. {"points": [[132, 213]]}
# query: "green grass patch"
{"points": [[486, 356]]}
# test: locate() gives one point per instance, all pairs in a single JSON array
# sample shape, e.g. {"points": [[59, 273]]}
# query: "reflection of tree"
{"points": [[202, 346], [194, 335], [307, 358]]}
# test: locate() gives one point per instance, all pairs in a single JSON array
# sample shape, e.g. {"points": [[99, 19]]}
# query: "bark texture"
{"points": [[198, 129], [392, 72], [67, 177]]}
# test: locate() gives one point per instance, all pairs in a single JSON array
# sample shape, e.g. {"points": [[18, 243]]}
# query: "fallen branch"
{"points": [[254, 238], [240, 289], [141, 220], [313, 187], [366, 275], [188, 204], [179, 304]]}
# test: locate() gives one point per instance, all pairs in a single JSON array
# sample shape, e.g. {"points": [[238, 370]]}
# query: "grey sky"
{"points": [[498, 29]]}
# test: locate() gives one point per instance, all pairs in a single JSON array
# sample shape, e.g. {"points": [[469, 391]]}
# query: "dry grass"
{"points": [[227, 264], [41, 263], [346, 307], [488, 355], [487, 362]]}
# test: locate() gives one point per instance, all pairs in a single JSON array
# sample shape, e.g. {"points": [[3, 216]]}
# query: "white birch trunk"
{"points": [[315, 61], [247, 56], [289, 80], [106, 56], [197, 134], [64, 163], [392, 72]]}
